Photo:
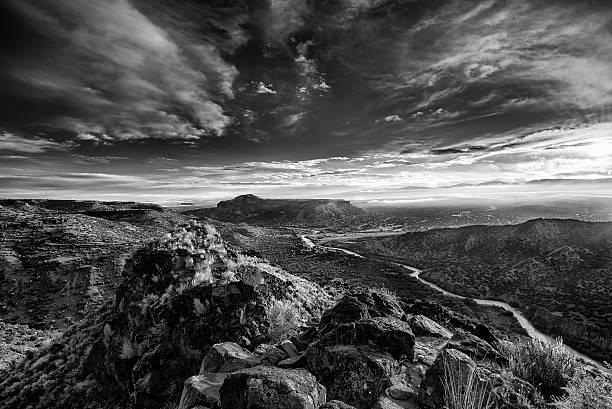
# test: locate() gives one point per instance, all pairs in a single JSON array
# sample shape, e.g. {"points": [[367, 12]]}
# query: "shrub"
{"points": [[463, 389], [546, 365], [202, 275], [128, 351], [587, 391], [283, 317]]}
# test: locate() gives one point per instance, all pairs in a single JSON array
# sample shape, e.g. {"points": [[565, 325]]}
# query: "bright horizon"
{"points": [[149, 101]]}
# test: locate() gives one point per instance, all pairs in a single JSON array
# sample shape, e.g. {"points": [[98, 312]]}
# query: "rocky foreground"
{"points": [[198, 325]]}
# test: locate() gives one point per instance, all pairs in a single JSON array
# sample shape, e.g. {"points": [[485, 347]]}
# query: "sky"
{"points": [[418, 101]]}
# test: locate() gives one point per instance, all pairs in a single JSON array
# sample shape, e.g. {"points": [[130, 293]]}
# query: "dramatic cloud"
{"points": [[116, 74], [357, 98]]}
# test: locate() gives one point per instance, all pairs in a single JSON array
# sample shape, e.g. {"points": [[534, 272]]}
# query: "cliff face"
{"points": [[308, 212]]}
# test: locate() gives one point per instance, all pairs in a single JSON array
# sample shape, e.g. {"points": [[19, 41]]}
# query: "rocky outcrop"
{"points": [[203, 389], [187, 307], [227, 357], [357, 375], [385, 333], [273, 388], [423, 326], [363, 305]]}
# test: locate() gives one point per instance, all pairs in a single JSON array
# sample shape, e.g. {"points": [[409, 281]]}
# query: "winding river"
{"points": [[416, 273]]}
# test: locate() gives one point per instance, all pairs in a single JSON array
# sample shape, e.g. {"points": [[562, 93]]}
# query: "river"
{"points": [[416, 273]]}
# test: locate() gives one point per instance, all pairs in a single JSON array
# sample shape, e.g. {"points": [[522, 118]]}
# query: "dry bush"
{"points": [[587, 391], [283, 317], [128, 350], [546, 365]]}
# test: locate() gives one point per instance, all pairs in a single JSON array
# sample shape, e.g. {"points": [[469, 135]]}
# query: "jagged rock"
{"points": [[289, 348], [272, 388], [202, 389], [386, 333], [423, 326], [353, 374], [227, 357], [426, 350], [297, 361], [363, 305], [335, 404], [273, 356], [472, 346]]}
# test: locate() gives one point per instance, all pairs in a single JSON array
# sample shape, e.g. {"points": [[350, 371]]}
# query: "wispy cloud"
{"points": [[14, 143]]}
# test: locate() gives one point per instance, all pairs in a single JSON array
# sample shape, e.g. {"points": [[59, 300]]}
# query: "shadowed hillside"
{"points": [[557, 271]]}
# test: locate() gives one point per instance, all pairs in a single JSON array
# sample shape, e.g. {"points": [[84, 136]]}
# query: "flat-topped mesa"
{"points": [[254, 209]]}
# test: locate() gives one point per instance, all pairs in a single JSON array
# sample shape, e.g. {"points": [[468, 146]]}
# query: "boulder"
{"points": [[289, 348], [403, 392], [362, 305], [426, 349], [227, 357], [385, 333], [424, 326], [455, 366], [297, 361], [386, 402], [355, 374], [270, 387], [335, 404], [202, 390], [472, 346], [273, 356]]}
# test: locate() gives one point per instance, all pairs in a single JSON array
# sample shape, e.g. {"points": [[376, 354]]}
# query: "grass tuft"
{"points": [[546, 365], [463, 389]]}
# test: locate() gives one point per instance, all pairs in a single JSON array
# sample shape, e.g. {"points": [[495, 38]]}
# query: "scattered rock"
{"points": [[227, 357], [269, 387]]}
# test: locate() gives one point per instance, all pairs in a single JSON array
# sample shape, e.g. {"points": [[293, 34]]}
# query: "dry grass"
{"points": [[547, 366], [463, 389], [587, 391]]}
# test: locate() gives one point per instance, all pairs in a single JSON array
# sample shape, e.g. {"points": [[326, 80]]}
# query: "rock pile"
{"points": [[180, 297], [200, 326], [363, 354]]}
